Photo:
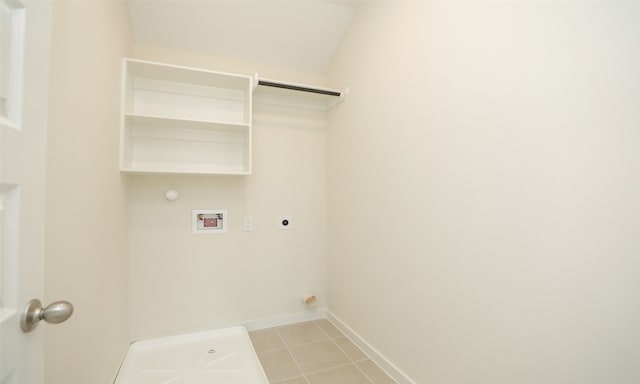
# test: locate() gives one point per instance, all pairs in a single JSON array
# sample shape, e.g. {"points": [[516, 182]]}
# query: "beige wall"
{"points": [[167, 280], [483, 190], [181, 282], [86, 218]]}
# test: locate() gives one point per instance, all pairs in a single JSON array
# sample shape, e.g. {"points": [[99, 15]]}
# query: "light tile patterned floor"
{"points": [[314, 352]]}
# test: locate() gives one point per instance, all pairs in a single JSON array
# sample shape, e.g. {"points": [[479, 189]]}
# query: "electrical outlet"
{"points": [[285, 222], [247, 224]]}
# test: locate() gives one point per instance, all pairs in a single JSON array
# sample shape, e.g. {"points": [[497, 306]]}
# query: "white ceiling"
{"points": [[298, 34]]}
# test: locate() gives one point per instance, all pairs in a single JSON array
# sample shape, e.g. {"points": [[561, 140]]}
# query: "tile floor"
{"points": [[314, 352]]}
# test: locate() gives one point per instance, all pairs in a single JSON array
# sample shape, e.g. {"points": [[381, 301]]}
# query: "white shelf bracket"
{"points": [[256, 80]]}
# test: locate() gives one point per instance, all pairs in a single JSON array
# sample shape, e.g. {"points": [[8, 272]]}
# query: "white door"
{"points": [[24, 78]]}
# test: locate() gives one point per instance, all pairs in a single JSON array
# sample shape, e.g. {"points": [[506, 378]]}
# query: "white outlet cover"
{"points": [[247, 224]]}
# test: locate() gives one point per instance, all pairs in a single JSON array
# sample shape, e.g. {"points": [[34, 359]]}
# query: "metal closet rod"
{"points": [[298, 88]]}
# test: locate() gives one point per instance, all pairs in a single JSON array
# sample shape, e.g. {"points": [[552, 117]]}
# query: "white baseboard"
{"points": [[387, 366], [252, 325]]}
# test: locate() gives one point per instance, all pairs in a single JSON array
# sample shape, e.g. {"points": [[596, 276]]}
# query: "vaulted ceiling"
{"points": [[297, 34]]}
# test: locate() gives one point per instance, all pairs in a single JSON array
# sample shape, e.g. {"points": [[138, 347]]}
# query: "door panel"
{"points": [[24, 83]]}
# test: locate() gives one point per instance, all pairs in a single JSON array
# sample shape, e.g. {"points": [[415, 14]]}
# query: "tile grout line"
{"points": [[331, 368], [353, 361], [286, 345], [390, 377], [343, 351], [307, 344], [285, 380]]}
